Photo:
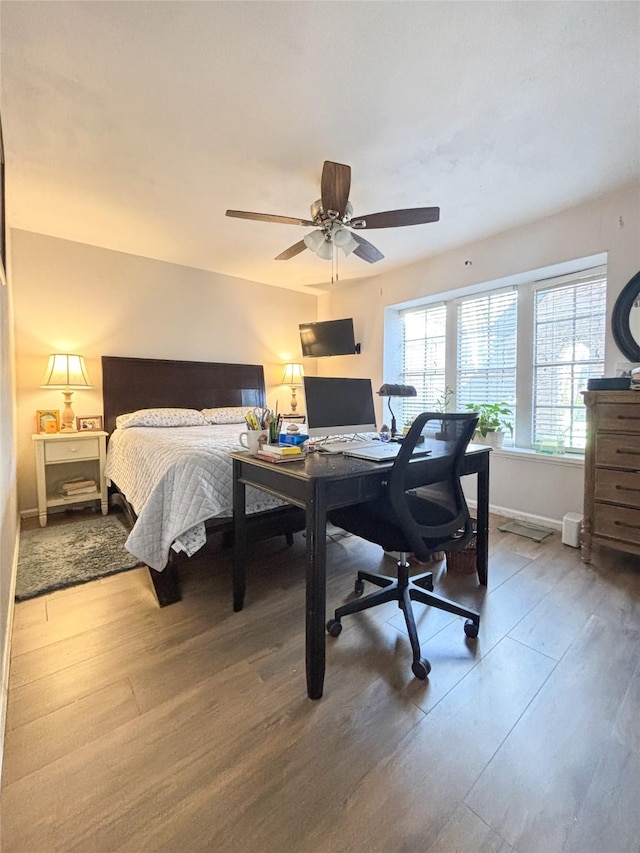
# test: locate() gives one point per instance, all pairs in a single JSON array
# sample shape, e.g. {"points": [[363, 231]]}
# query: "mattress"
{"points": [[176, 478]]}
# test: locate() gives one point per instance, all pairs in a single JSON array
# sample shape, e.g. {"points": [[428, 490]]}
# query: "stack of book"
{"points": [[277, 453], [75, 488]]}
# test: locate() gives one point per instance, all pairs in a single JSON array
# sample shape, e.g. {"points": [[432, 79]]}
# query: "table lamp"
{"points": [[66, 372], [293, 374], [396, 391]]}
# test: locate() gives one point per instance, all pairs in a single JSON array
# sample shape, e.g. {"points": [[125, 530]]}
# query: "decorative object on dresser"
{"points": [[612, 472], [67, 372], [70, 470], [292, 377]]}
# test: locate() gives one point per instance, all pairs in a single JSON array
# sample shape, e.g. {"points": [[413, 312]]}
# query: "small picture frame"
{"points": [[92, 422], [47, 421]]}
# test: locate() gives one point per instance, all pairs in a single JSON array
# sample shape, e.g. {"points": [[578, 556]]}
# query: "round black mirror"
{"points": [[625, 320]]}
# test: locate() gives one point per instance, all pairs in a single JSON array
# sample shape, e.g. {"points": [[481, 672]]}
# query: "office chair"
{"points": [[422, 510]]}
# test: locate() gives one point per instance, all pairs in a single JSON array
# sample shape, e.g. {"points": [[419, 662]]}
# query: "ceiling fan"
{"points": [[334, 222]]}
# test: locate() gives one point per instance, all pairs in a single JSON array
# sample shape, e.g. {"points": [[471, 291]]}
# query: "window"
{"points": [[423, 357], [532, 346], [487, 346], [568, 349]]}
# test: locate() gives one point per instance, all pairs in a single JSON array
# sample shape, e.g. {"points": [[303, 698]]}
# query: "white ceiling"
{"points": [[135, 125]]}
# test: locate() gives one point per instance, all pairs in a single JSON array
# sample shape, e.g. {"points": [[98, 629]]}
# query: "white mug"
{"points": [[254, 439]]}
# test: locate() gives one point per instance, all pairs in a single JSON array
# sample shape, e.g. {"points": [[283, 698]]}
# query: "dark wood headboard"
{"points": [[143, 383]]}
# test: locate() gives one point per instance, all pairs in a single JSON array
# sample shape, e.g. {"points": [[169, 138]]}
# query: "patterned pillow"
{"points": [[227, 414], [161, 418]]}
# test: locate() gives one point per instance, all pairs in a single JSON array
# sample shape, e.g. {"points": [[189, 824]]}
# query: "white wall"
{"points": [[71, 297], [609, 224], [8, 493]]}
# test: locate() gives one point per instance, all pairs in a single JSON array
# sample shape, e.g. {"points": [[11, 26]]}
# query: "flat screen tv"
{"points": [[330, 337]]}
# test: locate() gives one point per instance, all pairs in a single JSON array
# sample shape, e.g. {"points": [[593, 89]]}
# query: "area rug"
{"points": [[523, 528], [59, 556]]}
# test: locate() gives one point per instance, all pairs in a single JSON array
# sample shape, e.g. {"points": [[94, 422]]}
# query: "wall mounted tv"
{"points": [[329, 337]]}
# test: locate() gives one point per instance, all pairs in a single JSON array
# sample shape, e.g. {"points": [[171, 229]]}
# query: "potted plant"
{"points": [[442, 405], [493, 422]]}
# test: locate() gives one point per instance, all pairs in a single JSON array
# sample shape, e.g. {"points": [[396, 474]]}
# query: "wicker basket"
{"points": [[464, 561]]}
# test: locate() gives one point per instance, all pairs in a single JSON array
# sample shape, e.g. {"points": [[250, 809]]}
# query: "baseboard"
{"points": [[541, 520], [6, 657]]}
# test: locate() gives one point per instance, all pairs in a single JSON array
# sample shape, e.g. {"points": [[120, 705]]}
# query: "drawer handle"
{"points": [[627, 489], [628, 417], [623, 524], [628, 451]]}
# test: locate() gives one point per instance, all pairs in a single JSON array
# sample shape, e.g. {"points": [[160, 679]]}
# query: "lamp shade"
{"points": [[314, 240], [397, 391], [66, 371], [343, 239], [293, 374]]}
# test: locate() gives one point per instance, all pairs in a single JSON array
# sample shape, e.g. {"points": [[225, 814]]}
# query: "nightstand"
{"points": [[63, 457]]}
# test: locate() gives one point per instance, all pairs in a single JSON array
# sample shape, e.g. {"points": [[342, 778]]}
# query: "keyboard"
{"points": [[342, 446]]}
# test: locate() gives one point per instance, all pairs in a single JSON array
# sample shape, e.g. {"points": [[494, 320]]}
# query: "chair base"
{"points": [[404, 590]]}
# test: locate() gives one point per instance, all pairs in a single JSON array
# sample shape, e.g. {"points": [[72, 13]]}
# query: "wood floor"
{"points": [[188, 728]]}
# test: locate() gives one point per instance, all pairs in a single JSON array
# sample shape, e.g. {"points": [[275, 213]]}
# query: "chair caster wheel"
{"points": [[421, 668], [471, 629], [334, 627], [358, 586]]}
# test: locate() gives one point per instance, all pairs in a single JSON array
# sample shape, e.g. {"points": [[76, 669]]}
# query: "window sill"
{"points": [[529, 455]]}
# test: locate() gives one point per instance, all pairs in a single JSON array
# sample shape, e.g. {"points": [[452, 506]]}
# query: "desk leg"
{"points": [[239, 539], [316, 593], [482, 555]]}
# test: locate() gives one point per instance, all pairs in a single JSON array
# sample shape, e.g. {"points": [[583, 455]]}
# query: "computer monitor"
{"points": [[337, 406]]}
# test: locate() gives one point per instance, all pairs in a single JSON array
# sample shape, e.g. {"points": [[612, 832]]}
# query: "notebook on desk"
{"points": [[383, 452]]}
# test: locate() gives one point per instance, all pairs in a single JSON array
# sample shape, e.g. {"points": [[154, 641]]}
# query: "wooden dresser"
{"points": [[612, 472]]}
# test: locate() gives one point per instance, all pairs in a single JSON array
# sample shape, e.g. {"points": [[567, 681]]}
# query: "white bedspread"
{"points": [[175, 478]]}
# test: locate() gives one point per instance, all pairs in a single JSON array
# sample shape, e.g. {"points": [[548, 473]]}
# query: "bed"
{"points": [[174, 483]]}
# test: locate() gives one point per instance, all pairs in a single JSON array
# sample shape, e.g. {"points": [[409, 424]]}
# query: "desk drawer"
{"points": [[618, 451], [617, 523], [68, 450], [618, 417]]}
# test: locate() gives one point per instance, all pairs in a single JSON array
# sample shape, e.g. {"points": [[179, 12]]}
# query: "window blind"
{"points": [[569, 336], [487, 348], [423, 358]]}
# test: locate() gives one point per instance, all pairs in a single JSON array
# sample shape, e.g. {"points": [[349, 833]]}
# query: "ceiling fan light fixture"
{"points": [[314, 240], [325, 251], [343, 239]]}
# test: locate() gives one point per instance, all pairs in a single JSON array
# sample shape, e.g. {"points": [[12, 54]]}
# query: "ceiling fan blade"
{"points": [[269, 217], [366, 250], [292, 251], [396, 218], [334, 188]]}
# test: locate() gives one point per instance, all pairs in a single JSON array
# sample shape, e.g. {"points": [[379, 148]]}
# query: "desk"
{"points": [[320, 483]]}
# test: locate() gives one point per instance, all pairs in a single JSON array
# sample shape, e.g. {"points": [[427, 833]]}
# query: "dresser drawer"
{"points": [[618, 417], [618, 487], [68, 450], [617, 522], [618, 451]]}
